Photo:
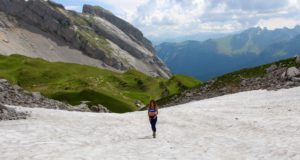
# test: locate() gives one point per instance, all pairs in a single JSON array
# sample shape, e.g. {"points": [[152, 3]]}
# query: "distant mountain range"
{"points": [[194, 37], [211, 58]]}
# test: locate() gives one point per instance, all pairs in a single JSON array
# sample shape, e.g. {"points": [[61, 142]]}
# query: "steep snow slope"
{"points": [[250, 125]]}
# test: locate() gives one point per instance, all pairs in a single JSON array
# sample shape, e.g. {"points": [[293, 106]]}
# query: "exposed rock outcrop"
{"points": [[16, 96], [100, 36], [99, 108], [125, 35], [83, 107], [11, 114], [135, 34]]}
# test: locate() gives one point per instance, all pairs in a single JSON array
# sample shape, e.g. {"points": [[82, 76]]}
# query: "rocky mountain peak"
{"points": [[97, 36], [135, 34]]}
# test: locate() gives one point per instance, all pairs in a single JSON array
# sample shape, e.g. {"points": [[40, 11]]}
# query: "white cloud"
{"points": [[159, 16], [274, 23], [126, 5], [184, 17], [126, 9], [294, 3], [76, 8]]}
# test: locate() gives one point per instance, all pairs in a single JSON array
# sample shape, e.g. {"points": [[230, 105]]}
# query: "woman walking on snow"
{"points": [[152, 114]]}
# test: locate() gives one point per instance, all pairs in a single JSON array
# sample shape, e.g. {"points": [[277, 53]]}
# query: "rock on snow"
{"points": [[250, 125]]}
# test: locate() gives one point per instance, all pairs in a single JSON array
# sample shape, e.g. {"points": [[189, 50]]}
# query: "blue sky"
{"points": [[77, 4], [167, 18]]}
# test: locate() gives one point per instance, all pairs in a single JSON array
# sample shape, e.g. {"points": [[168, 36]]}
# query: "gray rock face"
{"points": [[44, 16], [126, 36], [130, 30], [82, 32]]}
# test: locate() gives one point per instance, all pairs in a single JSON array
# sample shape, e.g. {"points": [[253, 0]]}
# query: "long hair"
{"points": [[152, 102]]}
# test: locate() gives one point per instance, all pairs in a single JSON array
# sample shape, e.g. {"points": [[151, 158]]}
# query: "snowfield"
{"points": [[250, 125]]}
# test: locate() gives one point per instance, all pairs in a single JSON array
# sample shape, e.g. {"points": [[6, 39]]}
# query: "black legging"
{"points": [[153, 123]]}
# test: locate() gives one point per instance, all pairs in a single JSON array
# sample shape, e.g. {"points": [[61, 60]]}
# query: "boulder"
{"points": [[292, 72], [283, 76], [2, 108], [189, 94], [17, 88], [99, 108], [36, 95], [83, 107], [296, 79], [139, 104], [289, 84], [243, 83], [298, 59], [271, 68], [3, 81]]}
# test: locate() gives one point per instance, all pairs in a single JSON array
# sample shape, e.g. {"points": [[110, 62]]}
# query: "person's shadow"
{"points": [[146, 137]]}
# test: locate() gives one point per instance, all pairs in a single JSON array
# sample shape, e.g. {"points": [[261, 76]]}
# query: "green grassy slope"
{"points": [[73, 83], [234, 79]]}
